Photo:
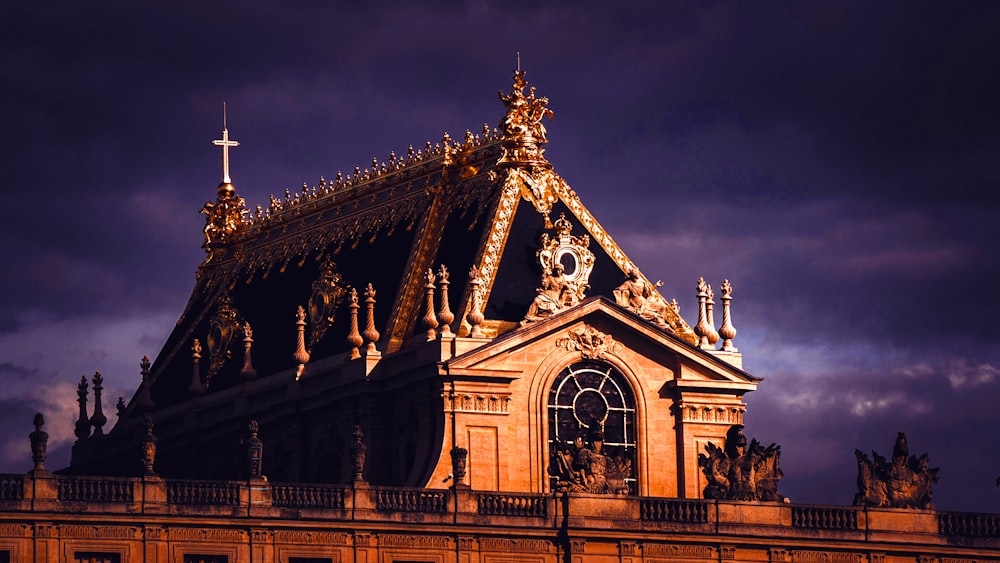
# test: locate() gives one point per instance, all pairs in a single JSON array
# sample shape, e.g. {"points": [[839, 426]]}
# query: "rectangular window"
{"points": [[4, 556]]}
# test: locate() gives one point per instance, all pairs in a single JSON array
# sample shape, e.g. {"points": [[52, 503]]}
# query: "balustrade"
{"points": [[95, 489], [410, 500], [307, 496], [969, 524], [668, 510], [499, 504], [825, 517], [217, 493], [11, 487]]}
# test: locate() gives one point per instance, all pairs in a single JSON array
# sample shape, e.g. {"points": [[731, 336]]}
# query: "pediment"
{"points": [[597, 328]]}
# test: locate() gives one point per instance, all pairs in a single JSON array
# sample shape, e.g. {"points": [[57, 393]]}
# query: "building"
{"points": [[445, 357]]}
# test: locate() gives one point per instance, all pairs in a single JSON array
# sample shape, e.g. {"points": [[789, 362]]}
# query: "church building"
{"points": [[446, 358]]}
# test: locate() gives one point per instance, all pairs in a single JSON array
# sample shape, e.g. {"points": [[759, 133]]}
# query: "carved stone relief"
{"points": [[590, 342]]}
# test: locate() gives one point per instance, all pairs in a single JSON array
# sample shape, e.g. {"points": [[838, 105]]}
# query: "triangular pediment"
{"points": [[597, 327]]}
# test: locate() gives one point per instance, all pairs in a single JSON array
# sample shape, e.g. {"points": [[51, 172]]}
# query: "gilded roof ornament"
{"points": [[327, 294], [224, 217], [522, 133], [221, 330], [570, 252]]}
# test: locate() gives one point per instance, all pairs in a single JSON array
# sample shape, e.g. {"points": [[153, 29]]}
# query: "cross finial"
{"points": [[225, 143]]}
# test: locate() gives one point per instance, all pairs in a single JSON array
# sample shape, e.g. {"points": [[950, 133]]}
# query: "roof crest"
{"points": [[355, 183]]}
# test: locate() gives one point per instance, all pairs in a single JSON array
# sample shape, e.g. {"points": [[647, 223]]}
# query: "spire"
{"points": [[225, 143]]}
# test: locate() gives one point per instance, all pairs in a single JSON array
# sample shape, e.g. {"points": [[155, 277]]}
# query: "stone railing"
{"points": [[825, 517], [95, 489], [410, 500], [507, 504], [117, 497], [210, 493], [307, 496], [11, 486], [674, 510], [969, 524]]}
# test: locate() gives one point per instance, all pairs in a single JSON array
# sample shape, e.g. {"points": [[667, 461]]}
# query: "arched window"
{"points": [[592, 401]]}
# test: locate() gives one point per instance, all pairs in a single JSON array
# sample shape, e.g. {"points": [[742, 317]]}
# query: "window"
{"points": [[589, 402], [96, 557]]}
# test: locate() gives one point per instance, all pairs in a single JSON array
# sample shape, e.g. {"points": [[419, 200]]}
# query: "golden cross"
{"points": [[225, 143]]}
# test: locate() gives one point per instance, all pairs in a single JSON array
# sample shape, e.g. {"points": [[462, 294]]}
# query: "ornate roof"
{"points": [[480, 203]]}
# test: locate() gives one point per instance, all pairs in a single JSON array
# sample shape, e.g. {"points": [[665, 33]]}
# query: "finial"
{"points": [[370, 333], [225, 143], [475, 315], [701, 328], [519, 60], [727, 331], [430, 319], [247, 372], [713, 335], [145, 398], [82, 429], [445, 316], [354, 339], [301, 356], [39, 442], [98, 419]]}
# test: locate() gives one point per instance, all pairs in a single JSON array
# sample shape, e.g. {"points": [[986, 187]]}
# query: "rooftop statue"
{"points": [[521, 127], [641, 297], [739, 472], [905, 482]]}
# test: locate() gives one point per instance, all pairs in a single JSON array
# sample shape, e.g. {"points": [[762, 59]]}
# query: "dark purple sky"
{"points": [[838, 162]]}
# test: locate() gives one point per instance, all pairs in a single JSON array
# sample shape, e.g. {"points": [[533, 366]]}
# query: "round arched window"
{"points": [[591, 420]]}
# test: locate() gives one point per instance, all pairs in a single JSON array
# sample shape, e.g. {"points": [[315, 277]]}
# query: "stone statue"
{"points": [[739, 472], [255, 451], [549, 298], [148, 447], [640, 297], [904, 482], [39, 443], [584, 466], [358, 453]]}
